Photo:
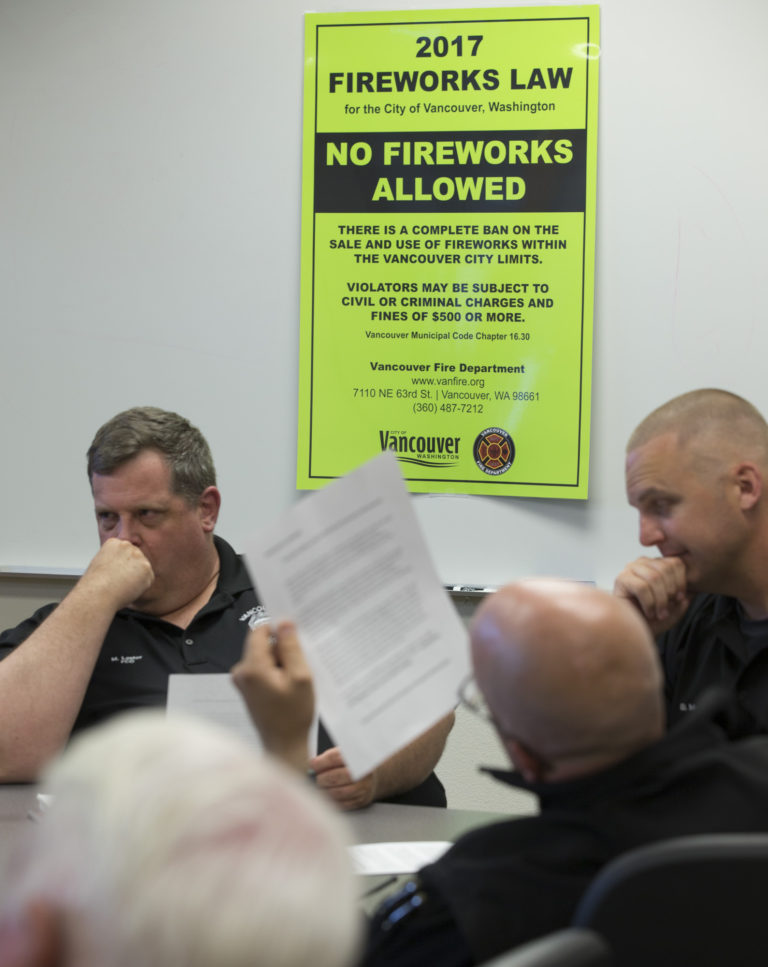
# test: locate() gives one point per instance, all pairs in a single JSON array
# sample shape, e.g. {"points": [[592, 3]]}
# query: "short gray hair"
{"points": [[141, 428], [172, 843]]}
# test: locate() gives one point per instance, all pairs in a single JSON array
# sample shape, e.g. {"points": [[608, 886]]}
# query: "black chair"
{"points": [[696, 900], [572, 947]]}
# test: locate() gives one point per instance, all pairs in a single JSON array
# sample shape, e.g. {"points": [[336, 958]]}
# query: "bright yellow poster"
{"points": [[448, 221]]}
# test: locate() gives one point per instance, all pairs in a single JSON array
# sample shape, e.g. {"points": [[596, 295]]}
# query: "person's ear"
{"points": [[35, 938], [750, 483], [530, 765], [209, 505]]}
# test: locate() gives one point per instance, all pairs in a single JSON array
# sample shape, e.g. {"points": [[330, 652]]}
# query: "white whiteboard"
{"points": [[149, 247]]}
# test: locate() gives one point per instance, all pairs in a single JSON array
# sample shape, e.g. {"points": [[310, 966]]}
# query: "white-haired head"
{"points": [[172, 844]]}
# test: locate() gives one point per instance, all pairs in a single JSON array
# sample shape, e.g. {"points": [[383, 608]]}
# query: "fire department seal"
{"points": [[494, 451]]}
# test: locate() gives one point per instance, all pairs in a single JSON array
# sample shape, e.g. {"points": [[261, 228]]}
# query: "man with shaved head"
{"points": [[569, 645], [697, 473], [570, 679]]}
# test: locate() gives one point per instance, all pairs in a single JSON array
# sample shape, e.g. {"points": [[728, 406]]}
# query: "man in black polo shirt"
{"points": [[697, 472], [162, 595]]}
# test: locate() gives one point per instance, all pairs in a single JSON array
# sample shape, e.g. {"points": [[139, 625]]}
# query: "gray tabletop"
{"points": [[379, 823], [15, 802], [386, 822]]}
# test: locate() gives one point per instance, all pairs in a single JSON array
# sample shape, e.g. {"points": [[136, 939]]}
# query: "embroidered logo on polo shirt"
{"points": [[127, 659], [255, 616]]}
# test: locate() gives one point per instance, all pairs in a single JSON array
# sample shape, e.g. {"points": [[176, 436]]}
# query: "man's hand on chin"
{"points": [[657, 586]]}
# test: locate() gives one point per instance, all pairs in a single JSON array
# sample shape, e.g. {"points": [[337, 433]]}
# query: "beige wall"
{"points": [[21, 596], [471, 744]]}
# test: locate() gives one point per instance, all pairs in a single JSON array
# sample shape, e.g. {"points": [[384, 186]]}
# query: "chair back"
{"points": [[572, 947], [699, 900]]}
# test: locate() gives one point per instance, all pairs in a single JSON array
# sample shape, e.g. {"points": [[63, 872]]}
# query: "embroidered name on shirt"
{"points": [[127, 659], [255, 616]]}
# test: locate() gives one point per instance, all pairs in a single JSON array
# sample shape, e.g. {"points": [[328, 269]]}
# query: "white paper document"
{"points": [[388, 650], [376, 859], [216, 697], [213, 697]]}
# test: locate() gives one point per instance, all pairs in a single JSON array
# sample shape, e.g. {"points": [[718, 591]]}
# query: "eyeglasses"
{"points": [[472, 698]]}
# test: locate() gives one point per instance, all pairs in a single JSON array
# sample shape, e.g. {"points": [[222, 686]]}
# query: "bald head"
{"points": [[712, 422], [570, 674]]}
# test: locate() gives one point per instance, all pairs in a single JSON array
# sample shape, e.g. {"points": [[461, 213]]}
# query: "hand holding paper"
{"points": [[276, 683], [385, 644]]}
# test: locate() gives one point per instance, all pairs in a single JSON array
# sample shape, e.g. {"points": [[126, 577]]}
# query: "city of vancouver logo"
{"points": [[423, 450], [494, 451]]}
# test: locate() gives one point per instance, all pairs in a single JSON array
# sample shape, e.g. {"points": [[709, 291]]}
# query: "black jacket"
{"points": [[715, 644], [510, 882]]}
